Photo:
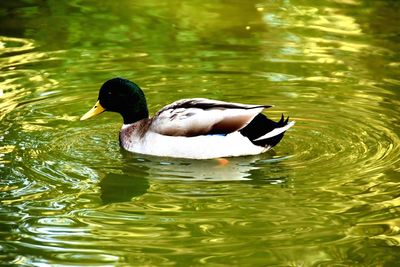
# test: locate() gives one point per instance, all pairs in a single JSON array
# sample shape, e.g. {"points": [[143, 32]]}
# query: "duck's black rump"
{"points": [[260, 126]]}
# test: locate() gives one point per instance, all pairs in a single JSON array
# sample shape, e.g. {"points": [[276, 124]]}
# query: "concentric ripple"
{"points": [[352, 136]]}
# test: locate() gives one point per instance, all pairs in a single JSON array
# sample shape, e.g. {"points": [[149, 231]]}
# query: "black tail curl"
{"points": [[261, 125]]}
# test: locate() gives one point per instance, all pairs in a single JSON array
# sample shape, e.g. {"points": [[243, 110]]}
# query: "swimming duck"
{"points": [[196, 128]]}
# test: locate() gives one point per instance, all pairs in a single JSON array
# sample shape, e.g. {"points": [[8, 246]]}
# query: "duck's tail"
{"points": [[264, 132]]}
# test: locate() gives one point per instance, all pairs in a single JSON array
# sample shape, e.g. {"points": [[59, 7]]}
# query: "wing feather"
{"points": [[200, 116]]}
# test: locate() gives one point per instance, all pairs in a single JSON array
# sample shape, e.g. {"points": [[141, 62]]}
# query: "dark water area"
{"points": [[327, 195]]}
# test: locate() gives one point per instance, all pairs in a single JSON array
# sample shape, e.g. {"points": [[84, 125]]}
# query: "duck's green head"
{"points": [[122, 96]]}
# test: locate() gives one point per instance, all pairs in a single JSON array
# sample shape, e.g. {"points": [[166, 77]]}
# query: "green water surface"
{"points": [[327, 195]]}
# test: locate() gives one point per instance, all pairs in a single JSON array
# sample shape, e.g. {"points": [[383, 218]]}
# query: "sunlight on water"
{"points": [[326, 195]]}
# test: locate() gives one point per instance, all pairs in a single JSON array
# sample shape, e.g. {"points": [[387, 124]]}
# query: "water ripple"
{"points": [[326, 195], [340, 139]]}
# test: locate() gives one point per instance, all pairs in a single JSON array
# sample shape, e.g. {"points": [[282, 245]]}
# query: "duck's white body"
{"points": [[184, 129], [196, 147]]}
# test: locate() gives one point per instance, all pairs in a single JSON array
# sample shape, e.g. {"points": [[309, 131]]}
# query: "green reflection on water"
{"points": [[327, 195]]}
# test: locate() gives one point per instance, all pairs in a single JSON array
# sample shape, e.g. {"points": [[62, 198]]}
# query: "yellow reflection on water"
{"points": [[335, 23], [5, 150], [11, 44], [386, 230], [349, 2], [324, 44]]}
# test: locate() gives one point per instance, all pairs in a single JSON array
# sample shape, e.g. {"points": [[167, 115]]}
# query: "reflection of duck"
{"points": [[250, 169], [196, 128], [140, 172], [207, 170]]}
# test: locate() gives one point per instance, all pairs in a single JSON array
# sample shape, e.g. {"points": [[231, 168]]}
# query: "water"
{"points": [[327, 195]]}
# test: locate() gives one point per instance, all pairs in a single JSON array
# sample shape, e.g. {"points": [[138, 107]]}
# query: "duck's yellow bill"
{"points": [[96, 110]]}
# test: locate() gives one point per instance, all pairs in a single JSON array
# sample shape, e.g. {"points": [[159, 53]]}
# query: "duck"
{"points": [[195, 128]]}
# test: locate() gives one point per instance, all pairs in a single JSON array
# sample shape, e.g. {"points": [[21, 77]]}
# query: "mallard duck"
{"points": [[196, 128]]}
